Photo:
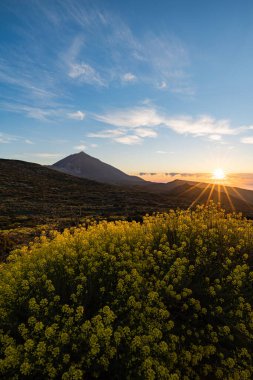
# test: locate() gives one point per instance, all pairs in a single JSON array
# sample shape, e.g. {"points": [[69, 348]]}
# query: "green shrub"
{"points": [[170, 298]]}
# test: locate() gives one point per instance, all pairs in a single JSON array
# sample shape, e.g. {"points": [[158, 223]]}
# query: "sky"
{"points": [[149, 87]]}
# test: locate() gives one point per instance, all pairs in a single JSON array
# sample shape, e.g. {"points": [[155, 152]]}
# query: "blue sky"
{"points": [[145, 86]]}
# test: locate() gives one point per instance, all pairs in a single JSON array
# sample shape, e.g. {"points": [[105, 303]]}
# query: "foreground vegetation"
{"points": [[170, 298]]}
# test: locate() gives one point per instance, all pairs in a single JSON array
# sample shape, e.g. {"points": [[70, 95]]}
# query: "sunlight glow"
{"points": [[219, 174]]}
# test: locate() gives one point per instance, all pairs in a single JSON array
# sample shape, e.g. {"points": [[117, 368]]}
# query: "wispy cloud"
{"points": [[90, 32], [150, 117], [30, 142], [162, 152], [247, 140], [45, 113], [200, 126], [80, 147], [162, 85], [119, 135], [215, 137], [145, 132], [131, 117], [157, 58], [122, 135], [108, 133], [129, 140], [46, 155], [131, 127], [167, 60], [19, 78], [42, 114], [145, 121], [7, 139], [86, 74], [128, 77], [78, 115], [38, 114]]}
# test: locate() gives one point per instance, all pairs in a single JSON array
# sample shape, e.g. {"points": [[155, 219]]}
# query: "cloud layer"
{"points": [[143, 122]]}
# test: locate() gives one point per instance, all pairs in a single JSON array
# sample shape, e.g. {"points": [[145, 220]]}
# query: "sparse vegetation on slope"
{"points": [[170, 298]]}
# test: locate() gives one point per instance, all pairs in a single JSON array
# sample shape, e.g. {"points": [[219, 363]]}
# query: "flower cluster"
{"points": [[170, 298]]}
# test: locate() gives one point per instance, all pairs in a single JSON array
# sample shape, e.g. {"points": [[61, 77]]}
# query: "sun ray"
{"points": [[219, 195], [229, 199], [241, 197], [200, 195], [210, 194], [191, 188]]}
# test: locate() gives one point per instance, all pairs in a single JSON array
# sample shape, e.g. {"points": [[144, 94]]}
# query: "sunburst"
{"points": [[218, 174]]}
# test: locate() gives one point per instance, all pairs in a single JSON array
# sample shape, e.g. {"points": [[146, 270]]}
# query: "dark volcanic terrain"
{"points": [[32, 194]]}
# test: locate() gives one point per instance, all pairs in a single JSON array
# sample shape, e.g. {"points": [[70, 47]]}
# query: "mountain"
{"points": [[85, 166]]}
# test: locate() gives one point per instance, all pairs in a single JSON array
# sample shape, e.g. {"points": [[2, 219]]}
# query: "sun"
{"points": [[219, 174]]}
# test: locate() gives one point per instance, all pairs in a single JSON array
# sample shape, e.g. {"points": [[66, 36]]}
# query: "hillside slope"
{"points": [[31, 194]]}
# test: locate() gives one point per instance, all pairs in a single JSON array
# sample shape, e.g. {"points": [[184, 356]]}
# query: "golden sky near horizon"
{"points": [[243, 180]]}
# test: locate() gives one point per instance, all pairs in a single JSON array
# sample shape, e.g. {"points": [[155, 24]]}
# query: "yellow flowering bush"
{"points": [[169, 298]]}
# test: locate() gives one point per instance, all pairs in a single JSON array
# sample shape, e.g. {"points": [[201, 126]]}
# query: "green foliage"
{"points": [[170, 298]]}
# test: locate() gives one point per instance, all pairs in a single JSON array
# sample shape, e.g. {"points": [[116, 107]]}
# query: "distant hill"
{"points": [[231, 198], [156, 187], [85, 166], [243, 194], [200, 193], [227, 191]]}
